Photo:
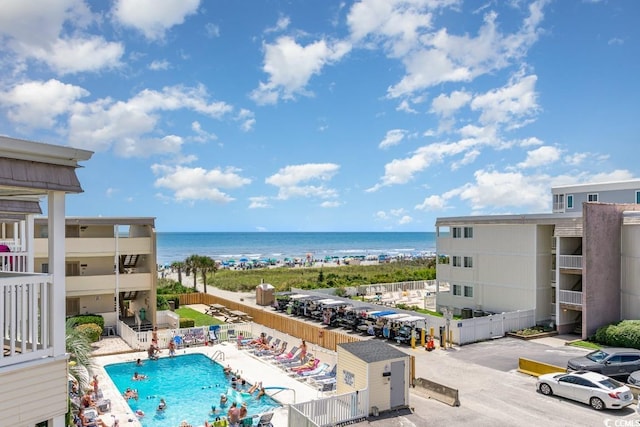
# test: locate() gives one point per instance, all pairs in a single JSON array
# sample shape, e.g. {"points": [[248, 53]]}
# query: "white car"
{"points": [[594, 389]]}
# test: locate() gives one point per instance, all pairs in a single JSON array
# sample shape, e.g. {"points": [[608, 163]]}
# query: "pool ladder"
{"points": [[218, 354]]}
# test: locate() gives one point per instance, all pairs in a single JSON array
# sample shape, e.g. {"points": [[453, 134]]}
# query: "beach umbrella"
{"points": [[244, 260]]}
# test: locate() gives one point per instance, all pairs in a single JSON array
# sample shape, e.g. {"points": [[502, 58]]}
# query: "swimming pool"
{"points": [[190, 384]]}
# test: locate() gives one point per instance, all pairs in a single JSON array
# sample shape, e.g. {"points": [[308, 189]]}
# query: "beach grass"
{"points": [[200, 319], [326, 277]]}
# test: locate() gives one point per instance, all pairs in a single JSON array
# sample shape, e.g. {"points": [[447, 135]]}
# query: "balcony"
{"points": [[13, 261], [573, 262], [106, 284], [572, 298], [98, 246], [26, 300]]}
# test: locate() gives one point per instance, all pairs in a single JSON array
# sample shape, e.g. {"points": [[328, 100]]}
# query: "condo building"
{"points": [[578, 267], [33, 363]]}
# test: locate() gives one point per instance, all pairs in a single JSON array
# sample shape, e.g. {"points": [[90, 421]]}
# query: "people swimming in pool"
{"points": [[255, 387], [261, 393], [223, 400], [162, 405], [138, 377]]}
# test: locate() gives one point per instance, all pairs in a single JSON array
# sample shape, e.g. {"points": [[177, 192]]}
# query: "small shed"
{"points": [[265, 294], [378, 367]]}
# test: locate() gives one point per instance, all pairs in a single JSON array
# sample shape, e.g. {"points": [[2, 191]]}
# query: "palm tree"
{"points": [[206, 265], [192, 264], [79, 348], [178, 265]]}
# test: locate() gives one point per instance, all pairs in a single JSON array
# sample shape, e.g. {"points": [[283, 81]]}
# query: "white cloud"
{"points": [[153, 18], [432, 203], [393, 137], [202, 135], [330, 204], [258, 202], [193, 184], [212, 30], [446, 106], [439, 57], [281, 25], [291, 180], [509, 104], [39, 104], [290, 66], [406, 219], [542, 156], [53, 33], [406, 107], [247, 119], [124, 124], [159, 65]]}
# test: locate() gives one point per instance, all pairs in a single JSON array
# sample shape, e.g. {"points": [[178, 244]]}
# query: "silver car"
{"points": [[596, 390]]}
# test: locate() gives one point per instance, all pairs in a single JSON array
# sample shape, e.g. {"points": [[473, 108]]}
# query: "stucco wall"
{"points": [[601, 264]]}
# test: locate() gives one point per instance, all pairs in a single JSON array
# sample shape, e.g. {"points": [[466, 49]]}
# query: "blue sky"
{"points": [[372, 115]]}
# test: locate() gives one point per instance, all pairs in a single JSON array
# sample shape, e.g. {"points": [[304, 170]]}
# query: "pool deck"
{"points": [[250, 367]]}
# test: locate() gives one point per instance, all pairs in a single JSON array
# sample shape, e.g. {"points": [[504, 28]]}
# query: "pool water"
{"points": [[190, 385]]}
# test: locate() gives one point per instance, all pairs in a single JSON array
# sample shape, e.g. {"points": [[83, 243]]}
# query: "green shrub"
{"points": [[162, 303], [187, 323], [622, 334], [91, 330], [87, 318]]}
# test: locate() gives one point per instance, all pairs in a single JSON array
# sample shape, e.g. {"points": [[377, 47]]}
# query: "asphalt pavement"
{"points": [[493, 393]]}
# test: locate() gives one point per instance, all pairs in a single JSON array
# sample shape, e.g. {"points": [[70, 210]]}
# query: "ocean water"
{"points": [[225, 246]]}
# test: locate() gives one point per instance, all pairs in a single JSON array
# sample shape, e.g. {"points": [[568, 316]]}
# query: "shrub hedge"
{"points": [[87, 318], [187, 323], [91, 330], [622, 334]]}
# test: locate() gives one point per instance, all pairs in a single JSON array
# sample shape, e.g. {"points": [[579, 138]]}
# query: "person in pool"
{"points": [[138, 377], [223, 400], [162, 405]]}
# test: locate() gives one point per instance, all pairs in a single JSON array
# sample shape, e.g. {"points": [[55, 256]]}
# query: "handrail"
{"points": [[216, 354]]}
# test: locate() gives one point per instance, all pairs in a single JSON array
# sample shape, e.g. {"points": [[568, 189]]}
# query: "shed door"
{"points": [[397, 384]]}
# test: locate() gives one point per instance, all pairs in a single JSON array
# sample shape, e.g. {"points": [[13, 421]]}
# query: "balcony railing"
{"points": [[570, 261], [13, 261], [26, 300], [570, 297]]}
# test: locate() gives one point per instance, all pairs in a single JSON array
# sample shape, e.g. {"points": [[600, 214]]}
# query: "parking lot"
{"points": [[492, 391]]}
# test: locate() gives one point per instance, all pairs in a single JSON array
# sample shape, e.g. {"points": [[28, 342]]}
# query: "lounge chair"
{"points": [[199, 337], [287, 356], [326, 376], [330, 385], [91, 416], [213, 334], [178, 341], [265, 420], [318, 370]]}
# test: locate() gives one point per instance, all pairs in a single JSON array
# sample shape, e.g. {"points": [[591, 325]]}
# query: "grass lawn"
{"points": [[586, 344], [200, 319]]}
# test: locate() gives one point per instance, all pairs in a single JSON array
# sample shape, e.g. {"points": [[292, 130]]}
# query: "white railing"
{"points": [[141, 340], [570, 261], [13, 261], [330, 411], [416, 285], [25, 299], [570, 297]]}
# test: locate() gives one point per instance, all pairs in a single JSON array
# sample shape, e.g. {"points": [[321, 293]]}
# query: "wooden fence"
{"points": [[266, 316]]}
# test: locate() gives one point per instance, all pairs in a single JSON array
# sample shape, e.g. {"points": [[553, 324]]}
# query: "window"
{"points": [[558, 202], [468, 262], [457, 290], [457, 232], [628, 358], [638, 197], [570, 201], [468, 232], [593, 197], [72, 269], [456, 261], [45, 268], [468, 291]]}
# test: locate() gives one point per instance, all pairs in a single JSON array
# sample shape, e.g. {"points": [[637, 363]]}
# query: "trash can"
{"points": [[172, 305], [143, 313], [442, 336]]}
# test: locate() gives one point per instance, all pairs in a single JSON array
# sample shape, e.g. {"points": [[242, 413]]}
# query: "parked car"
{"points": [[634, 378], [596, 390], [612, 362]]}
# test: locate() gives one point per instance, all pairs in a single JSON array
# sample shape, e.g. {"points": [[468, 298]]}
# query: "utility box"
{"points": [[265, 294], [377, 366]]}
